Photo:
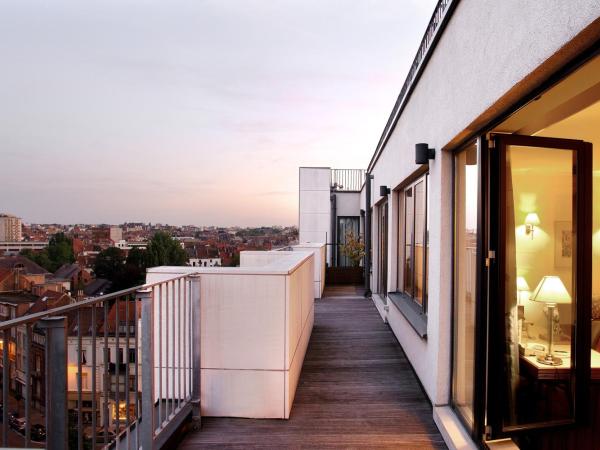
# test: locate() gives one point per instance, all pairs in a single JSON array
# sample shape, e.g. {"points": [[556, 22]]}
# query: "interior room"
{"points": [[539, 206]]}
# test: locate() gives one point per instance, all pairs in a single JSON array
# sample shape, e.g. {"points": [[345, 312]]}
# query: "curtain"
{"points": [[510, 289]]}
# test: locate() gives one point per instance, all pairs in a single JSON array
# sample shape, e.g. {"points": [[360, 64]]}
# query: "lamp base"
{"points": [[550, 360]]}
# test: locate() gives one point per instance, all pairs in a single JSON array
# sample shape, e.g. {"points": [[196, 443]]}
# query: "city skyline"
{"points": [[164, 114]]}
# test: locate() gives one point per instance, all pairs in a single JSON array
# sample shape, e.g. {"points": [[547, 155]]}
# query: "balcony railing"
{"points": [[439, 18], [347, 179], [82, 342]]}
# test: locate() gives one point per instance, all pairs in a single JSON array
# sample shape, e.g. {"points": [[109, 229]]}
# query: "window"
{"points": [[466, 210], [84, 380], [132, 355], [415, 236], [346, 226], [383, 248]]}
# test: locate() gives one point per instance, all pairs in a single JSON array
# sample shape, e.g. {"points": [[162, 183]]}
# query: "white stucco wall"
{"points": [[315, 205], [487, 47], [347, 203]]}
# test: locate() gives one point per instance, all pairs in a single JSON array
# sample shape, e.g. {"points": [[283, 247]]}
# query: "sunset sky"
{"points": [[196, 112]]}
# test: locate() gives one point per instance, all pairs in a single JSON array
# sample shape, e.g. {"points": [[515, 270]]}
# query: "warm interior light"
{"points": [[551, 290], [531, 221], [522, 284]]}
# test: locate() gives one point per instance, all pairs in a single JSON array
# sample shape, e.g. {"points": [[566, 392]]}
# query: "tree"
{"points": [[109, 263], [163, 250], [353, 249], [58, 253]]}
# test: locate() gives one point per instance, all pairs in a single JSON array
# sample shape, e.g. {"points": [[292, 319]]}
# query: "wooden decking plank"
{"points": [[356, 390]]}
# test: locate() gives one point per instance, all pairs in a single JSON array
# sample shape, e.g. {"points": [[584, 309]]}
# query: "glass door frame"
{"points": [[495, 226], [382, 249], [477, 426]]}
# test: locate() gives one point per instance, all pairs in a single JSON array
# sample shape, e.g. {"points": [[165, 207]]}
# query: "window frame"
{"points": [[402, 227], [414, 312]]}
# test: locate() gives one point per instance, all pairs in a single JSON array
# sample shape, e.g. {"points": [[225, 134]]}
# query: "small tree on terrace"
{"points": [[353, 248]]}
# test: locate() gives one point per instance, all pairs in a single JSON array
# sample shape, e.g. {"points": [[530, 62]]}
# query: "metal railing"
{"points": [[438, 20], [121, 370], [347, 179]]}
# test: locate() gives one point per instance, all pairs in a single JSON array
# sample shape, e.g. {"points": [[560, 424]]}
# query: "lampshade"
{"points": [[532, 219], [522, 284], [551, 290]]}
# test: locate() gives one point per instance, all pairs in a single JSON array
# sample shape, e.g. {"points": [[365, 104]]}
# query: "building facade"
{"points": [[10, 228], [484, 211]]}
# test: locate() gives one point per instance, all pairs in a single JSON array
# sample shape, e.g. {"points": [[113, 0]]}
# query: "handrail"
{"points": [[347, 180], [439, 18], [79, 304], [136, 401]]}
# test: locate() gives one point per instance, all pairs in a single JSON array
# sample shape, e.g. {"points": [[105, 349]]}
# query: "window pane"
{"points": [[383, 243], [409, 220], [419, 249], [539, 301], [465, 276], [346, 226]]}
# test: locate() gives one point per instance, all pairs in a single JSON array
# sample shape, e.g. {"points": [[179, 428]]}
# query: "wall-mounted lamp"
{"points": [[384, 191], [423, 153], [531, 221]]}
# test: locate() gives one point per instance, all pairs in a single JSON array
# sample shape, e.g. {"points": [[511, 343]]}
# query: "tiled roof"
{"points": [[67, 271], [10, 262]]}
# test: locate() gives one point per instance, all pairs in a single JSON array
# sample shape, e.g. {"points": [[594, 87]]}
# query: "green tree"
{"points": [[163, 250], [109, 263], [58, 252]]}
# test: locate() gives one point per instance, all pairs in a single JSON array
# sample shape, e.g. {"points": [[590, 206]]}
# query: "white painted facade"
{"points": [[489, 56], [314, 224], [204, 262]]}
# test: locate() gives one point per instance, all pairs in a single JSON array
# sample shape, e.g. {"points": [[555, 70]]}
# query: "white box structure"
{"points": [[255, 321]]}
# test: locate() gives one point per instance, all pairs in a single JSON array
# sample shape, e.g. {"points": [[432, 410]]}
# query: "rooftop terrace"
{"points": [[356, 389]]}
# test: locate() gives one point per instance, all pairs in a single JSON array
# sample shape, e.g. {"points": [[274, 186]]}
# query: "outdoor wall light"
{"points": [[531, 221], [384, 191], [423, 153]]}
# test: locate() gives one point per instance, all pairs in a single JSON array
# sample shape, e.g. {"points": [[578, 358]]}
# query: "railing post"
{"points": [[196, 355], [56, 382], [147, 421]]}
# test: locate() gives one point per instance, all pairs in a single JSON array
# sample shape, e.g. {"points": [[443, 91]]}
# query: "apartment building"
{"points": [[485, 210], [10, 228]]}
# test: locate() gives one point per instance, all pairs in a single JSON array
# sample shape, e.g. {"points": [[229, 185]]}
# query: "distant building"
{"points": [[10, 228], [16, 247], [204, 262], [116, 234]]}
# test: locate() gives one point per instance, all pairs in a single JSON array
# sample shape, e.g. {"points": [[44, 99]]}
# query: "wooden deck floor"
{"points": [[356, 390]]}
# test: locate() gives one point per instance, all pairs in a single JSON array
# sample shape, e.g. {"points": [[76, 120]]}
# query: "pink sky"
{"points": [[192, 112]]}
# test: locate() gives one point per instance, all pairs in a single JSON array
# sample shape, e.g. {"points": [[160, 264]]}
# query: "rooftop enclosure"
{"points": [[255, 322], [325, 195]]}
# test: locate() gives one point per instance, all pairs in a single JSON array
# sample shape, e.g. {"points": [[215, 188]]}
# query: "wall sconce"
{"points": [[423, 153], [531, 221], [384, 191]]}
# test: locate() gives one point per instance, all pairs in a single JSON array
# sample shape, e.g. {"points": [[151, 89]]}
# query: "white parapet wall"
{"points": [[255, 321], [320, 253], [314, 221]]}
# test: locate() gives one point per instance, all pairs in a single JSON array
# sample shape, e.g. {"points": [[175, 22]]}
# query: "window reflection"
{"points": [[465, 276], [540, 250]]}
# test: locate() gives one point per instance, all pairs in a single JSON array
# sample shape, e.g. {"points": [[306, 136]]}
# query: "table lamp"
{"points": [[550, 291]]}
